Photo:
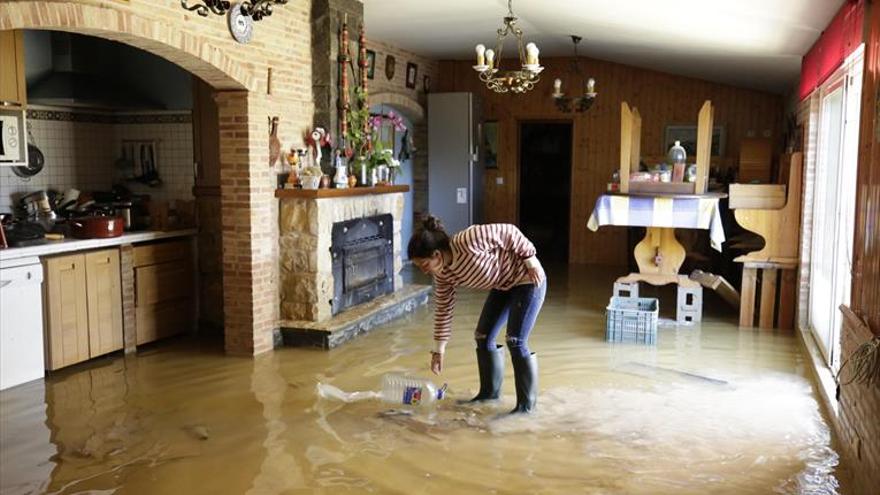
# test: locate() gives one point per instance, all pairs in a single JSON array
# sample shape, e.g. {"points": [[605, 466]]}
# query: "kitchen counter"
{"points": [[71, 244]]}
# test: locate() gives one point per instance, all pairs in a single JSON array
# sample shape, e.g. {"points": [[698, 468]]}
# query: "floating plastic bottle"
{"points": [[410, 391], [396, 389]]}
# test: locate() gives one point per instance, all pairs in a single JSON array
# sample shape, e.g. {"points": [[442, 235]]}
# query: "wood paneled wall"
{"points": [[859, 405], [662, 99]]}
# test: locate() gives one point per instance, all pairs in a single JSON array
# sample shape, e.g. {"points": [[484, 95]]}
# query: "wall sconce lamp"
{"points": [[256, 9]]}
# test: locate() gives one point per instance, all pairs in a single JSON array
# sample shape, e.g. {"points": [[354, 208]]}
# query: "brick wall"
{"points": [[412, 102], [204, 47], [808, 118], [129, 315]]}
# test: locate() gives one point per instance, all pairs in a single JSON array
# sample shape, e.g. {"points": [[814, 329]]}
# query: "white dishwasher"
{"points": [[21, 321]]}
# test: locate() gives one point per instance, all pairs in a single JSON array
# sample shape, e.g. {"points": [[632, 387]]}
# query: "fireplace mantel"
{"points": [[338, 193]]}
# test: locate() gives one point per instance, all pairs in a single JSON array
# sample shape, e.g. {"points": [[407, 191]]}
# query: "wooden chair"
{"points": [[769, 283]]}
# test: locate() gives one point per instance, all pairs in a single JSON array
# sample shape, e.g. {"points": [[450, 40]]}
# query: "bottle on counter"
{"points": [[677, 156]]}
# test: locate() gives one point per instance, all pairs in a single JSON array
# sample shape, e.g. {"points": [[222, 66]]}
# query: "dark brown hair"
{"points": [[428, 237]]}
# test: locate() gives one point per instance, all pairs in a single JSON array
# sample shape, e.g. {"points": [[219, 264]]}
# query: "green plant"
{"points": [[357, 135]]}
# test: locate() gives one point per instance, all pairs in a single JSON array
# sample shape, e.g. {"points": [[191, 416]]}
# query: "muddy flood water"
{"points": [[709, 409]]}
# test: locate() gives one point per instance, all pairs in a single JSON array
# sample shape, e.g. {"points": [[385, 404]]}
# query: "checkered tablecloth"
{"points": [[646, 211]]}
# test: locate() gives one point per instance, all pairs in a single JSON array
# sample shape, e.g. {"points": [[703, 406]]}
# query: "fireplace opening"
{"points": [[363, 260]]}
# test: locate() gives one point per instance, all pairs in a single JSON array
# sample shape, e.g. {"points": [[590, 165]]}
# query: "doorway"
{"points": [[545, 187]]}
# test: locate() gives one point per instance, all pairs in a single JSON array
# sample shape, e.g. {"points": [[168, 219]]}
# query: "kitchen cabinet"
{"points": [[67, 317], [13, 90], [104, 295], [83, 300], [164, 290]]}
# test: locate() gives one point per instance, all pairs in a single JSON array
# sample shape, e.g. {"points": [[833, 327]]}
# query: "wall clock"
{"points": [[240, 26]]}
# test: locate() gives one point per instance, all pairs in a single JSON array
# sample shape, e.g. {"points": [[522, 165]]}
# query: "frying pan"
{"points": [[36, 160]]}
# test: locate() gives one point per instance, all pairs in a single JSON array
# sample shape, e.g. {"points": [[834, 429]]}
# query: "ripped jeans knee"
{"points": [[483, 341], [517, 346]]}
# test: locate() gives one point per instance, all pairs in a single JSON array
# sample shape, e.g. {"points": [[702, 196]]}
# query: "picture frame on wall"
{"points": [[412, 72], [687, 135], [371, 64]]}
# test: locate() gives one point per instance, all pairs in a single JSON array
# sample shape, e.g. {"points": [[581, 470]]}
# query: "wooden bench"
{"points": [[769, 282]]}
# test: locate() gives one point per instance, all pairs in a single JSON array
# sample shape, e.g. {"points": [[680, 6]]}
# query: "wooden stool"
{"points": [[772, 288]]}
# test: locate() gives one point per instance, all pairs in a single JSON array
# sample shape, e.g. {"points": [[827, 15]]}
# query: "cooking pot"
{"points": [[96, 227]]}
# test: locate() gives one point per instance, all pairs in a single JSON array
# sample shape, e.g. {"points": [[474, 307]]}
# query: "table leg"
{"points": [[659, 252]]}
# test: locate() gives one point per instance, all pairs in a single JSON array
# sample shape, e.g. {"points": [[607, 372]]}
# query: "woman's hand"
{"points": [[536, 275], [436, 362]]}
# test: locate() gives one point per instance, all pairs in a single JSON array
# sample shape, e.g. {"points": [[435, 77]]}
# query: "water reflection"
{"points": [[709, 409]]}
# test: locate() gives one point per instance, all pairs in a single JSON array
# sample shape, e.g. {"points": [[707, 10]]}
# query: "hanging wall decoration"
{"points": [[412, 71], [389, 67], [256, 9]]}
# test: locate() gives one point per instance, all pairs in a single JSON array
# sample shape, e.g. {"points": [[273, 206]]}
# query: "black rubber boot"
{"points": [[525, 373], [491, 367]]}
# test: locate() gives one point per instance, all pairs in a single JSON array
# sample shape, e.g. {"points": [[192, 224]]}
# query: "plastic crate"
{"points": [[632, 319]]}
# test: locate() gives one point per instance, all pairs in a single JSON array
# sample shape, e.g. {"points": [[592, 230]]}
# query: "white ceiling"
{"points": [[749, 43]]}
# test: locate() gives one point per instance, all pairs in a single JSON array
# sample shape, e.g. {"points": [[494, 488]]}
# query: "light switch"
{"points": [[461, 195], [499, 181]]}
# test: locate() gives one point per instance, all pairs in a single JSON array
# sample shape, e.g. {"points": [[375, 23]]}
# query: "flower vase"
{"points": [[364, 180]]}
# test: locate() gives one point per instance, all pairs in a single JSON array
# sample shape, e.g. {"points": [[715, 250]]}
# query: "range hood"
{"points": [[73, 83]]}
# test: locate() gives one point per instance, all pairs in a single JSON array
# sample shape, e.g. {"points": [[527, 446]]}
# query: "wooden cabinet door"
{"points": [[67, 321], [104, 301], [12, 82], [163, 300]]}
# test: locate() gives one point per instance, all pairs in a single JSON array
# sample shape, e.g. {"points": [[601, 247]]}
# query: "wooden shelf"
{"points": [[338, 193], [706, 195]]}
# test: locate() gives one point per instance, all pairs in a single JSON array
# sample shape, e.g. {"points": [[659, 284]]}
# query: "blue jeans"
{"points": [[518, 307]]}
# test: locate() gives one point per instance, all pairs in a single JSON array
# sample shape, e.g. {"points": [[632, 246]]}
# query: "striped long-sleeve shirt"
{"points": [[493, 256]]}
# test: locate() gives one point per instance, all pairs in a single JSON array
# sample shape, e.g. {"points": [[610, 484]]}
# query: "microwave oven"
{"points": [[13, 137]]}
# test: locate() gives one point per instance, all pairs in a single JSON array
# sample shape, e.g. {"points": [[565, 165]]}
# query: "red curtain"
{"points": [[840, 38]]}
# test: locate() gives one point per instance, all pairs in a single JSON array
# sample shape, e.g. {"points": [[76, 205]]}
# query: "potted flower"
{"points": [[311, 177]]}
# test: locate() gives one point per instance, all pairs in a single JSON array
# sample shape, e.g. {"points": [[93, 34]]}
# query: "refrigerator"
{"points": [[455, 172]]}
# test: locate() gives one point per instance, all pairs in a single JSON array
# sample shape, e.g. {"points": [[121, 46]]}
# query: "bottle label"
{"points": [[412, 395]]}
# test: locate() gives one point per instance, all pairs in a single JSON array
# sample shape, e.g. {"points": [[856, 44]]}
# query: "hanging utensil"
{"points": [[154, 179], [36, 160]]}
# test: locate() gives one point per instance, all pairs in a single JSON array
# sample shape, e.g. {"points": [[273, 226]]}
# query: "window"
{"points": [[834, 204]]}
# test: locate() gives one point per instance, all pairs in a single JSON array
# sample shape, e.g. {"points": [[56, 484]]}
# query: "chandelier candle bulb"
{"points": [[481, 55], [532, 54], [557, 87], [490, 58], [591, 86]]}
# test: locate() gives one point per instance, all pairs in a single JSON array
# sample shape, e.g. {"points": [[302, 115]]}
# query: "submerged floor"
{"points": [[710, 409]]}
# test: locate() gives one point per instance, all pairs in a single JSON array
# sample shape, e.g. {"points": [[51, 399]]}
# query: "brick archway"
{"points": [[193, 52], [247, 209], [406, 105]]}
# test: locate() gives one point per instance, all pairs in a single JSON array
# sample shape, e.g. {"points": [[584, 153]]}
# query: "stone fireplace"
{"points": [[340, 263]]}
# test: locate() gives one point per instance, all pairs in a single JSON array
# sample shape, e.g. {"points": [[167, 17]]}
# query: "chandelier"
{"points": [[257, 9], [578, 103], [503, 81]]}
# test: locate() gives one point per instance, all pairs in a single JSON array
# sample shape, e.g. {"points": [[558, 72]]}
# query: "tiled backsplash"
{"points": [[81, 150]]}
